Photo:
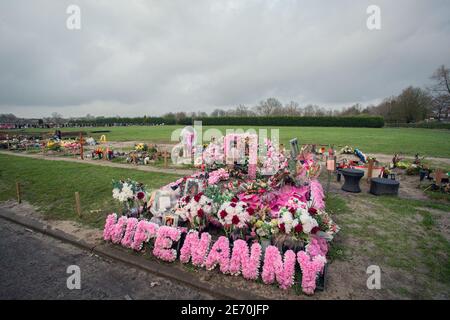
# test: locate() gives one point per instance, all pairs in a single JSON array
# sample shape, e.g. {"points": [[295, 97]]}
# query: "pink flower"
{"points": [[145, 230], [195, 248], [310, 269], [111, 220], [274, 268], [240, 260], [164, 241], [127, 239], [219, 254]]}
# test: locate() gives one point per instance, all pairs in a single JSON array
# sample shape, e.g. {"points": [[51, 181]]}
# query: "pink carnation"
{"points": [[118, 230], [317, 247], [317, 194], [144, 231], [127, 239], [164, 241], [275, 268], [219, 254], [310, 269], [111, 220], [195, 248], [240, 259]]}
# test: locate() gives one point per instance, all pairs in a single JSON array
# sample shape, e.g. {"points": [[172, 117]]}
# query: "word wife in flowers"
{"points": [[202, 252]]}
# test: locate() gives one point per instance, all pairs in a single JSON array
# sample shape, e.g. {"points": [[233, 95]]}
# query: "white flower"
{"points": [[308, 223]]}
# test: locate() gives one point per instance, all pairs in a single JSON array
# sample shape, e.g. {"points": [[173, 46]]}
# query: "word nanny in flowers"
{"points": [[235, 258]]}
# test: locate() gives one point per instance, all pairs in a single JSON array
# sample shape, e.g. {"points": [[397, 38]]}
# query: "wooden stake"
{"points": [[19, 199], [77, 203], [81, 146], [370, 170], [438, 177]]}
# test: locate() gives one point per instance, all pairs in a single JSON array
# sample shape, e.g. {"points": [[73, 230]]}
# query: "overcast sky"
{"points": [[152, 57]]}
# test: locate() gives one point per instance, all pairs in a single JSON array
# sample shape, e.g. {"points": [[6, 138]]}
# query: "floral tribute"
{"points": [[258, 222]]}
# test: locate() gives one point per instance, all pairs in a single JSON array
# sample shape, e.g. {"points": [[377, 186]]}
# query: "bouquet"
{"points": [[195, 209], [234, 214], [131, 194]]}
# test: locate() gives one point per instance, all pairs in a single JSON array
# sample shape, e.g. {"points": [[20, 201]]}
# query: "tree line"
{"points": [[412, 105]]}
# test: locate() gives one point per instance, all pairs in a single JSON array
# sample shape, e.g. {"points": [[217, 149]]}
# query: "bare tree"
{"points": [[292, 109], [218, 113], [269, 107], [440, 91]]}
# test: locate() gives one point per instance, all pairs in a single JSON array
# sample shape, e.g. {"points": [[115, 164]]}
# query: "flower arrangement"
{"points": [[274, 160], [275, 268], [311, 267], [195, 209], [131, 194], [141, 147], [164, 241], [195, 248], [234, 214], [286, 209], [213, 154], [241, 260], [218, 175]]}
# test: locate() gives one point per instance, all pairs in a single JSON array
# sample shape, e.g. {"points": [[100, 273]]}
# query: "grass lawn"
{"points": [[51, 186], [429, 142], [406, 238]]}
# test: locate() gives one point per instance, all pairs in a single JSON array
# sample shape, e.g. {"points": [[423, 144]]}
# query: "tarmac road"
{"points": [[34, 266]]}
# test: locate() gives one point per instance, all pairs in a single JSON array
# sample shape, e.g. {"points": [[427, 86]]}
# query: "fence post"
{"points": [[19, 198], [77, 203]]}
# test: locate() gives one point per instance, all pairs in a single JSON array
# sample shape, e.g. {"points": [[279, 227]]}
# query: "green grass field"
{"points": [[408, 141], [51, 186], [402, 234]]}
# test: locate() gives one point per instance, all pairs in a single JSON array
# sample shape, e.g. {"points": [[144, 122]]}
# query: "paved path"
{"points": [[183, 172], [33, 266]]}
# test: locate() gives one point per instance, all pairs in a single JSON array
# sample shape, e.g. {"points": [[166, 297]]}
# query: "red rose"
{"points": [[262, 190], [235, 220], [312, 211], [200, 213], [187, 199], [223, 214], [140, 195], [315, 230], [198, 196], [298, 228], [234, 199], [292, 210], [282, 228], [233, 204], [250, 211]]}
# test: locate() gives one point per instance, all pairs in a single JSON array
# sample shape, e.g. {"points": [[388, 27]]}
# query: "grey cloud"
{"points": [[136, 57]]}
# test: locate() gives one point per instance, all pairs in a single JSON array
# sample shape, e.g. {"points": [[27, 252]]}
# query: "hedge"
{"points": [[368, 122]]}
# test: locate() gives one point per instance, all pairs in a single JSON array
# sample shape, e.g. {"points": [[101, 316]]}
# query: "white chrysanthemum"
{"points": [[308, 223], [116, 193]]}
